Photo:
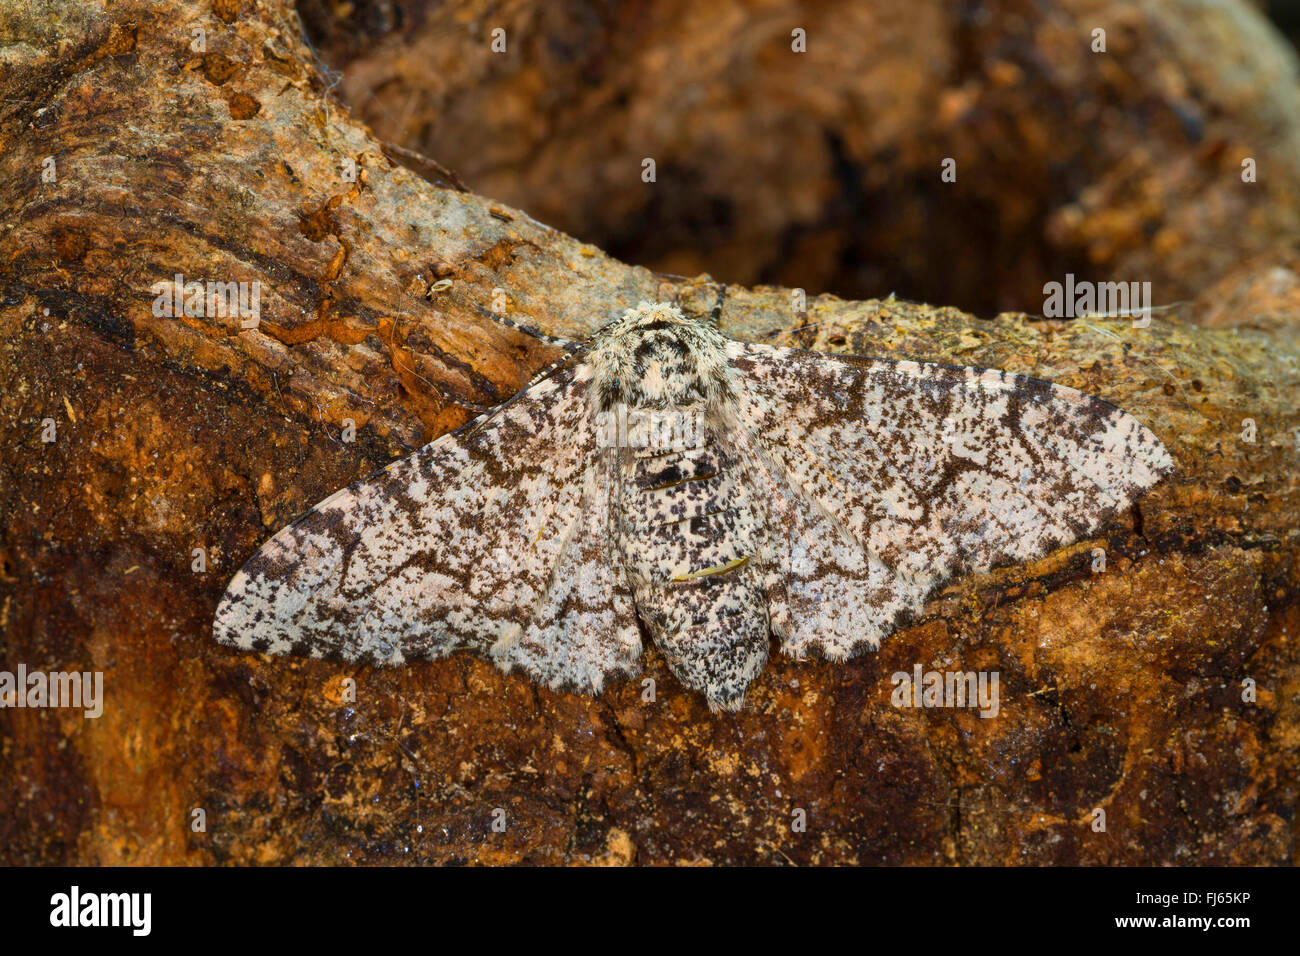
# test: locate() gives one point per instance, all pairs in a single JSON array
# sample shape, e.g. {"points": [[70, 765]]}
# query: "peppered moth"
{"points": [[712, 490]]}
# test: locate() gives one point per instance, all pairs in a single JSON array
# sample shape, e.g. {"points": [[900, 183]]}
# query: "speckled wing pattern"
{"points": [[494, 539], [747, 491], [884, 479]]}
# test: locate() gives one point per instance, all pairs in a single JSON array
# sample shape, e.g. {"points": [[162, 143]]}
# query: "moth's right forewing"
{"points": [[885, 479]]}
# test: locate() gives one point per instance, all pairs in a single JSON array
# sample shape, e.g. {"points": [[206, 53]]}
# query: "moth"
{"points": [[711, 491]]}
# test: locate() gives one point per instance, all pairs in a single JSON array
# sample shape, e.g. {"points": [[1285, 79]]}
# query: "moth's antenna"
{"points": [[568, 345], [892, 297], [1168, 307], [809, 326], [715, 315], [678, 289]]}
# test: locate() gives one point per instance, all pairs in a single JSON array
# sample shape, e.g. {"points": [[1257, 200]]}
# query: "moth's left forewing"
{"points": [[493, 539], [921, 471]]}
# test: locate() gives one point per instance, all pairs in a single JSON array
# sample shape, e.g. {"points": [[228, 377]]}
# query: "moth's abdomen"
{"points": [[713, 631], [688, 539]]}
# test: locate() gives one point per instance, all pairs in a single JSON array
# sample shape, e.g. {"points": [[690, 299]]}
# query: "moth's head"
{"points": [[656, 357]]}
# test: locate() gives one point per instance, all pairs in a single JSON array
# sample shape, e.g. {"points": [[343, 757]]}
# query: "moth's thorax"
{"points": [[655, 357]]}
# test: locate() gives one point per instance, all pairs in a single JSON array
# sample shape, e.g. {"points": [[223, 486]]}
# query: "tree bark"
{"points": [[1162, 689]]}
